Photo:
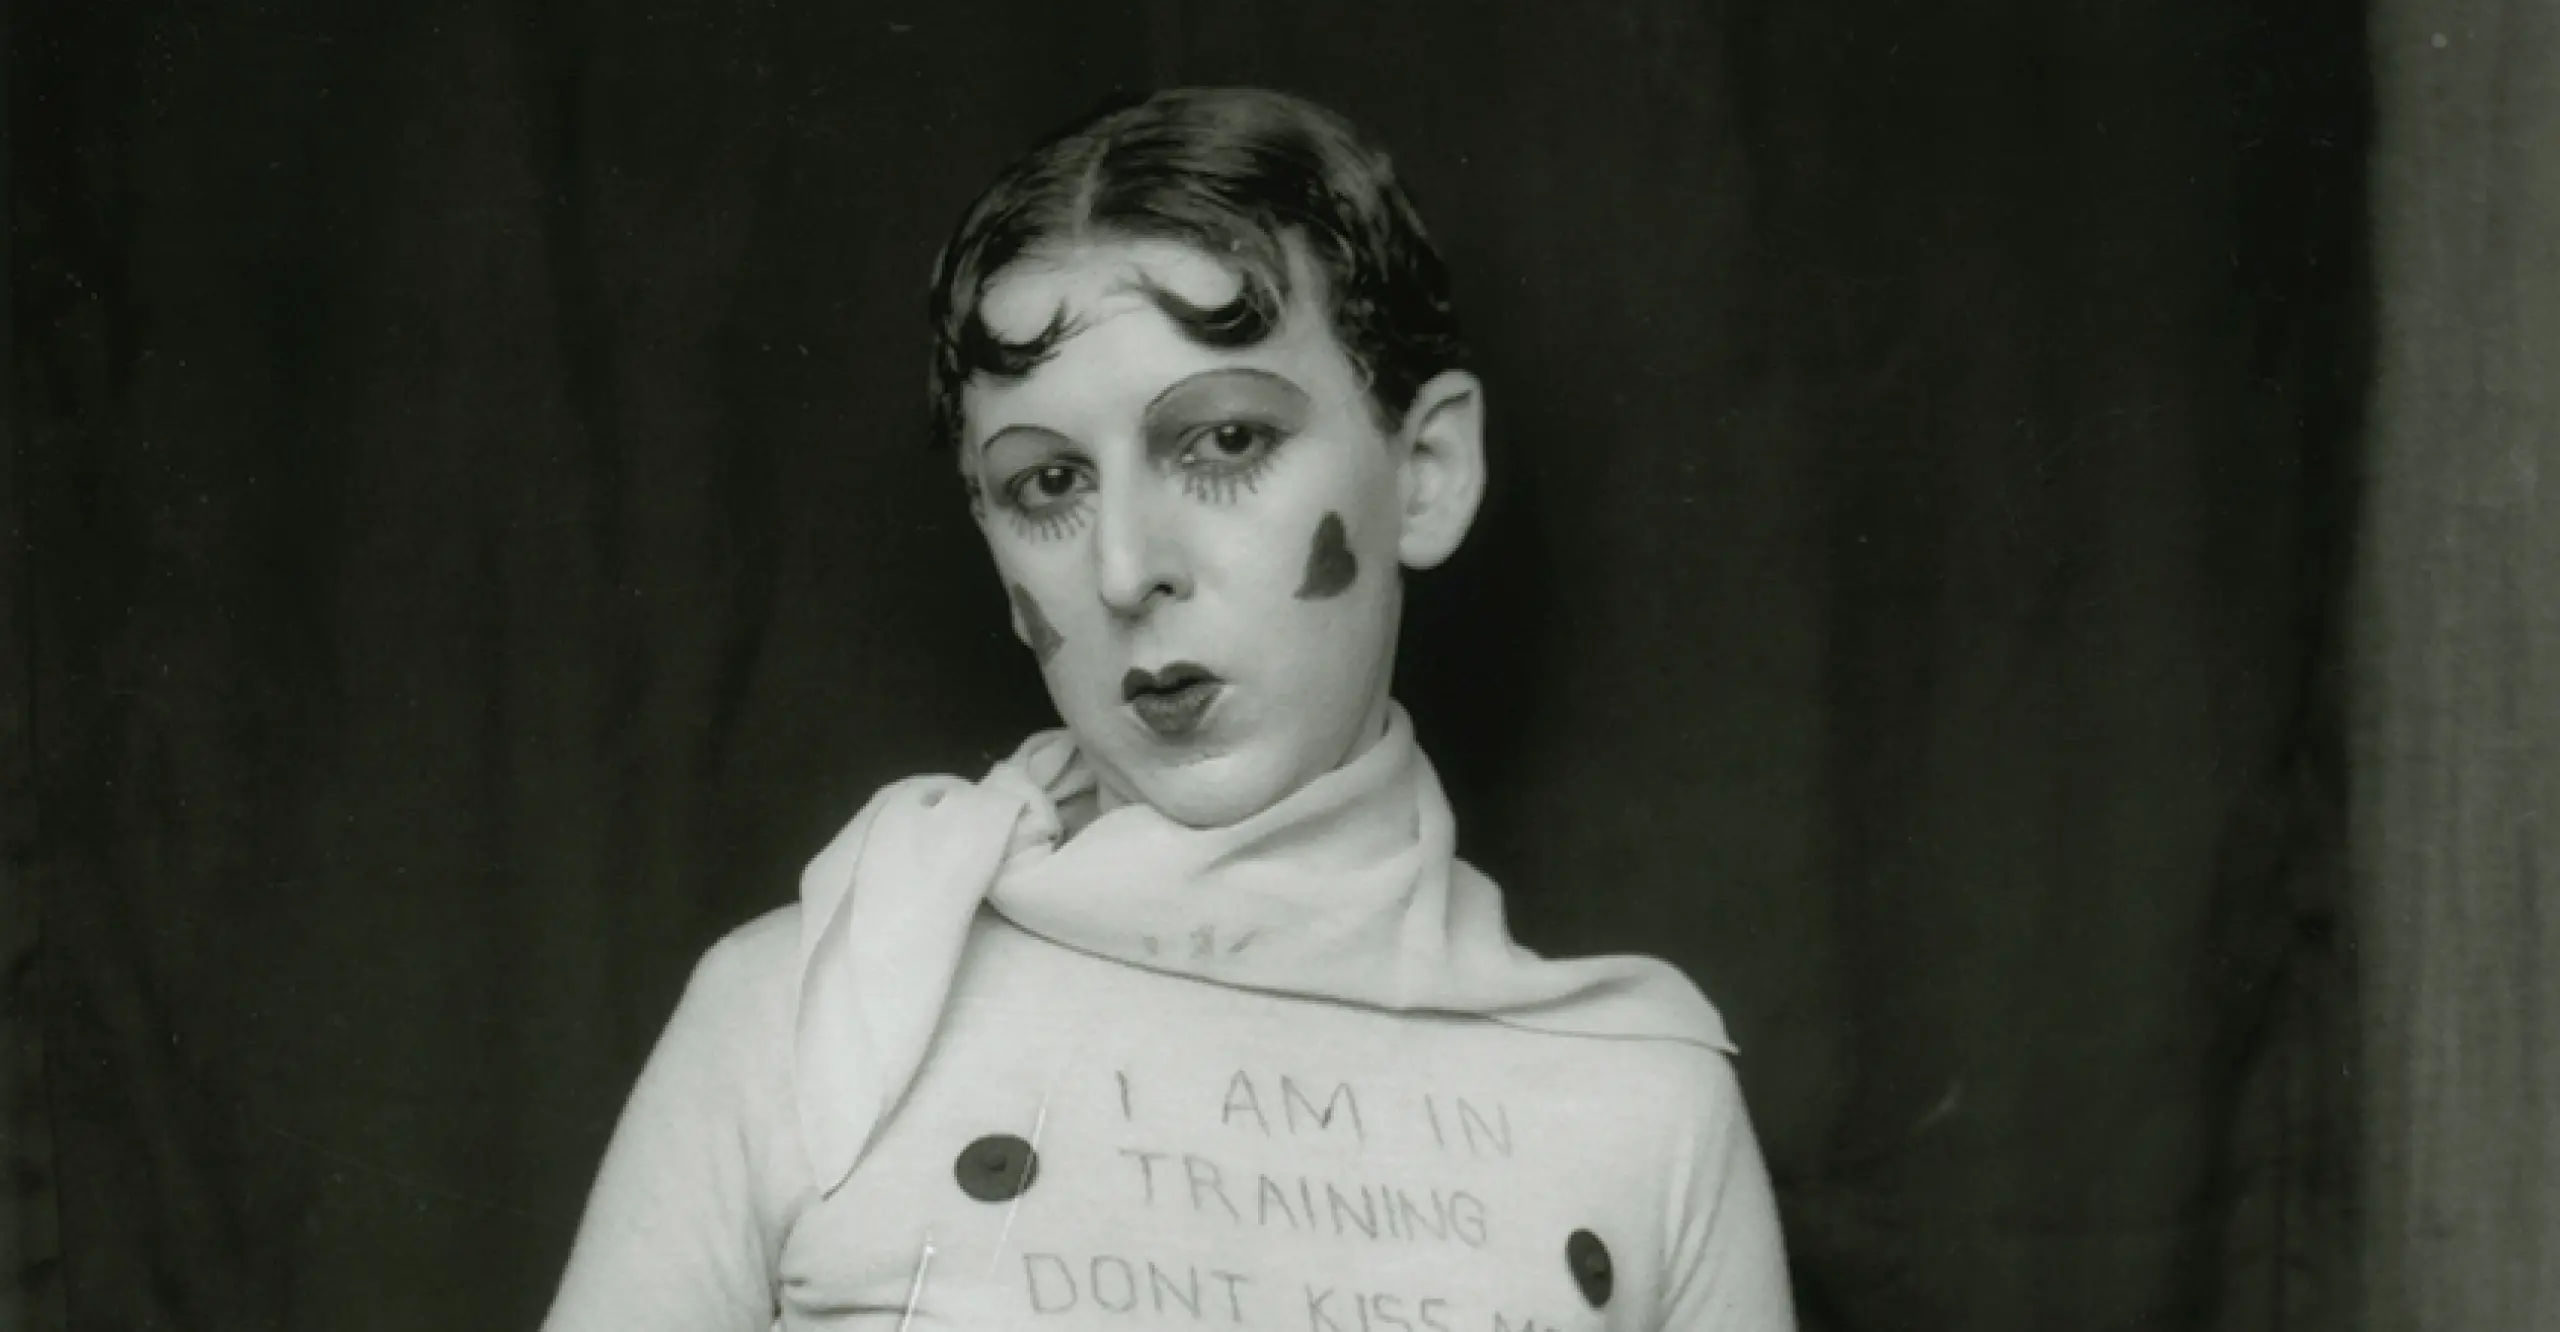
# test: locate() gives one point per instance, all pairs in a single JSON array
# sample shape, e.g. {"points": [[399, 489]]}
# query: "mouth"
{"points": [[1173, 699]]}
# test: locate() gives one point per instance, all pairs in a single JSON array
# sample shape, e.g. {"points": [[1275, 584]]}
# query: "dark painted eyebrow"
{"points": [[1244, 372], [1187, 384], [1022, 428]]}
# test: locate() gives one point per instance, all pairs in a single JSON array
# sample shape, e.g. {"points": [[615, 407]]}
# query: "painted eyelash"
{"points": [[1223, 487], [1060, 521], [1220, 484], [1047, 522]]}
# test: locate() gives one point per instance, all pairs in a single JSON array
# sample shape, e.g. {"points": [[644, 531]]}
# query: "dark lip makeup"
{"points": [[1172, 699]]}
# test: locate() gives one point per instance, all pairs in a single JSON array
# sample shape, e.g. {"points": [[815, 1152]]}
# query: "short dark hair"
{"points": [[1233, 173]]}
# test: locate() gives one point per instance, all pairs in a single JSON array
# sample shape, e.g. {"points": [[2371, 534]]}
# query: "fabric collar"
{"points": [[1349, 889]]}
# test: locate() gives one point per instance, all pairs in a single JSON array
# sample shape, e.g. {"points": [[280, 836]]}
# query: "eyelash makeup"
{"points": [[1222, 483], [1050, 526], [1046, 522], [1223, 487], [1212, 482]]}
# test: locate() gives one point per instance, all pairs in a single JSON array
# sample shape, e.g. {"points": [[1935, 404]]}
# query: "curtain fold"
{"points": [[2457, 718]]}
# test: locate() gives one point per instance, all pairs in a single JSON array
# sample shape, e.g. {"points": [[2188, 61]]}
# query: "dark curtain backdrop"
{"points": [[476, 542]]}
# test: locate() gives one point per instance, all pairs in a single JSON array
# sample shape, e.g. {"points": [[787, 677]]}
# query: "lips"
{"points": [[1173, 699]]}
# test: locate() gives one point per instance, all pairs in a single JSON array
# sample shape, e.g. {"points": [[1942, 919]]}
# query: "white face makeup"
{"points": [[1200, 545]]}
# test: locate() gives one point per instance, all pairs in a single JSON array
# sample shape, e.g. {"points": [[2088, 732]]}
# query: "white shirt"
{"points": [[1203, 1156]]}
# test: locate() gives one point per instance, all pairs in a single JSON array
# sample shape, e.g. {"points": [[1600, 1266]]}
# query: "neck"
{"points": [[1108, 795]]}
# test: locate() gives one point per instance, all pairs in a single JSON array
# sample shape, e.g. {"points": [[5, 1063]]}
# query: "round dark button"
{"points": [[997, 1168], [1589, 1259]]}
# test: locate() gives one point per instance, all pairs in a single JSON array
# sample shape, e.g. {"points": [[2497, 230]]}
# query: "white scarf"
{"points": [[1348, 889]]}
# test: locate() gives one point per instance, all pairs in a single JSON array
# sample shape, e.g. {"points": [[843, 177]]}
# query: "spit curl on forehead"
{"points": [[1081, 284], [1241, 175]]}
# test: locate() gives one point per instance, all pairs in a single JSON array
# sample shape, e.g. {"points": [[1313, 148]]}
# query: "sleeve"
{"points": [[1727, 1266], [675, 1235]]}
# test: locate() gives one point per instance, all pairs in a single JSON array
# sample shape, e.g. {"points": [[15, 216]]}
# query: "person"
{"points": [[1186, 1014]]}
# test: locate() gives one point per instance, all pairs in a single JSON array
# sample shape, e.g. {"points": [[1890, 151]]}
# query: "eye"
{"points": [[1042, 490], [1230, 445]]}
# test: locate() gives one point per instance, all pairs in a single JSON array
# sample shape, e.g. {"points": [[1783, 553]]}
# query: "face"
{"points": [[1201, 547]]}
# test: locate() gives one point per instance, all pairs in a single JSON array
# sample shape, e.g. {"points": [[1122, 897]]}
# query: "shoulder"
{"points": [[1689, 1091], [726, 1054], [1654, 1138], [1725, 1255], [1670, 1103], [765, 948], [1677, 1108], [1723, 1250], [742, 988], [1701, 1091]]}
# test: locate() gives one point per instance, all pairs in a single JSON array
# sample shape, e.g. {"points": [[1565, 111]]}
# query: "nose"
{"points": [[1139, 560]]}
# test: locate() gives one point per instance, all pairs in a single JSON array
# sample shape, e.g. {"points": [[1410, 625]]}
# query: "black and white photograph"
{"points": [[1415, 666]]}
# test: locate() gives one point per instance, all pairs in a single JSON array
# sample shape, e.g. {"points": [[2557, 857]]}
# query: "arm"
{"points": [[676, 1235], [1728, 1263]]}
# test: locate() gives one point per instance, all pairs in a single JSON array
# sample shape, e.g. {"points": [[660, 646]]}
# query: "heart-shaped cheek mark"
{"points": [[1331, 567]]}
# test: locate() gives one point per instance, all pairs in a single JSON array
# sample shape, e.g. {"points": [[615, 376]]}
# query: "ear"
{"points": [[1441, 474]]}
